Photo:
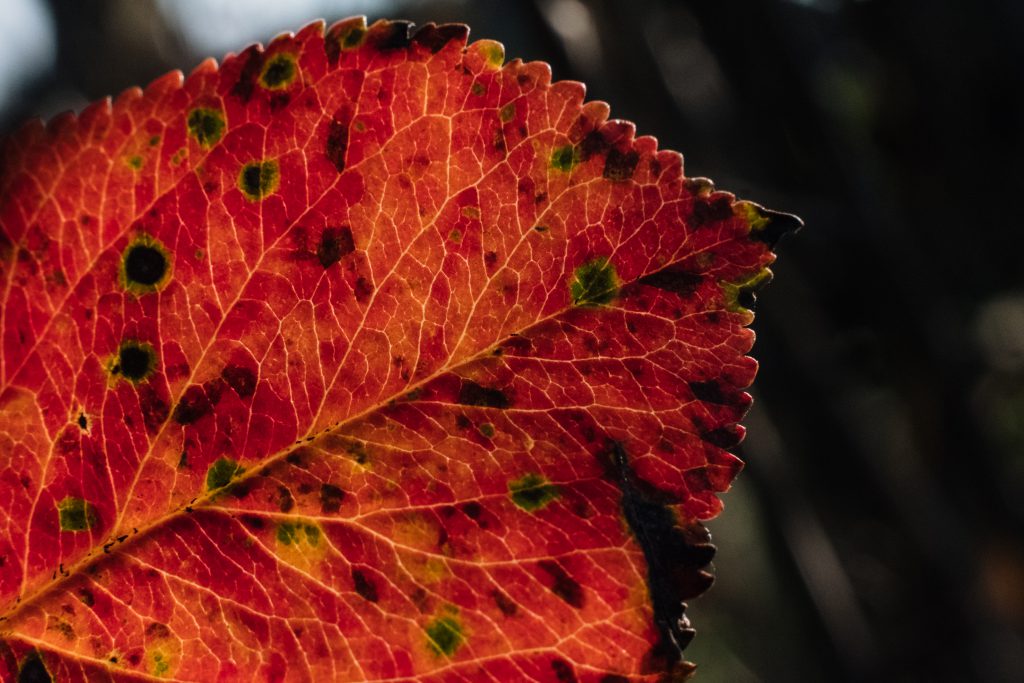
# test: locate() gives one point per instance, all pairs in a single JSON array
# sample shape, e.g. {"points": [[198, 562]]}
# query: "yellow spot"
{"points": [[751, 213], [471, 212], [493, 53], [300, 543]]}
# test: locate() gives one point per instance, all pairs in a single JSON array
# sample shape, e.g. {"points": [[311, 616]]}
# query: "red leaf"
{"points": [[363, 356]]}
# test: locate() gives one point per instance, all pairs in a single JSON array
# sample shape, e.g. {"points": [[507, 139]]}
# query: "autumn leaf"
{"points": [[363, 356]]}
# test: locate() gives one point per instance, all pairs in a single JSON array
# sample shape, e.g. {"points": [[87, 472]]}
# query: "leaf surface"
{"points": [[364, 356]]}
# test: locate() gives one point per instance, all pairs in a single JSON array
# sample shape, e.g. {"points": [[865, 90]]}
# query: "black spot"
{"points": [[279, 101], [144, 264], [154, 408], [334, 244], [711, 209], [395, 35], [253, 522], [563, 585], [710, 392], [287, 502], [364, 586], [723, 437], [507, 606], [463, 422], [673, 280], [193, 405], [473, 509], [337, 138], [241, 379], [563, 671], [593, 143], [86, 596], [246, 83], [363, 290], [620, 165], [33, 670], [473, 394], [258, 179], [330, 498], [135, 361], [295, 458], [676, 557], [435, 37], [83, 422]]}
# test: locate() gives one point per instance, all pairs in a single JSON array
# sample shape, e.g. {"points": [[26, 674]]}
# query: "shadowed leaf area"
{"points": [[381, 356]]}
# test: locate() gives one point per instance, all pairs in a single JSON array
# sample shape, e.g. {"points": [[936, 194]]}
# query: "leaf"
{"points": [[363, 356]]}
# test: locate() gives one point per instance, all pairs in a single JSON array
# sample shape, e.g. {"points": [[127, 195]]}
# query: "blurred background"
{"points": [[876, 533]]}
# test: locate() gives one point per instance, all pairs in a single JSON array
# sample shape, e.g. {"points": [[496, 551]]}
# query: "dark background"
{"points": [[876, 533]]}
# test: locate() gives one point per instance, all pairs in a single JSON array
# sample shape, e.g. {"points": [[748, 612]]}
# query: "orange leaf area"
{"points": [[363, 356]]}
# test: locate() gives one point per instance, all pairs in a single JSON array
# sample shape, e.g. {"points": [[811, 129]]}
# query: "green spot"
{"points": [[494, 52], [76, 514], [455, 236], [507, 113], [595, 283], [312, 534], [279, 71], [221, 472], [478, 88], [532, 492], [258, 179], [287, 533], [444, 635], [145, 266], [487, 429], [154, 140], [135, 361], [160, 664], [135, 162], [206, 126], [565, 158], [178, 157]]}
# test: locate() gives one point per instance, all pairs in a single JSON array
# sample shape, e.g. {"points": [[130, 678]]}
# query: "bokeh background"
{"points": [[876, 533]]}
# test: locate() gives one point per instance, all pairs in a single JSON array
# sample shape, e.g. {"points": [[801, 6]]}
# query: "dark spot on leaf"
{"points": [[278, 71], [364, 586], [620, 165], [473, 509], [76, 514], [463, 422], [33, 670], [563, 671], [673, 280], [154, 408], [258, 179], [221, 472], [206, 126], [723, 437], [296, 458], [158, 630], [435, 37], [710, 392], [363, 290], [473, 394], [711, 209], [241, 379], [246, 83], [344, 37], [334, 244], [135, 361], [83, 422], [194, 404], [563, 585], [330, 498], [279, 100], [507, 606], [253, 522], [444, 635], [337, 138], [676, 557], [593, 143], [595, 283], [144, 264], [86, 596], [394, 35], [286, 501]]}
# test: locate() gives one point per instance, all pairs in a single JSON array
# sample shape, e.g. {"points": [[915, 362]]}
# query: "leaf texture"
{"points": [[364, 356]]}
